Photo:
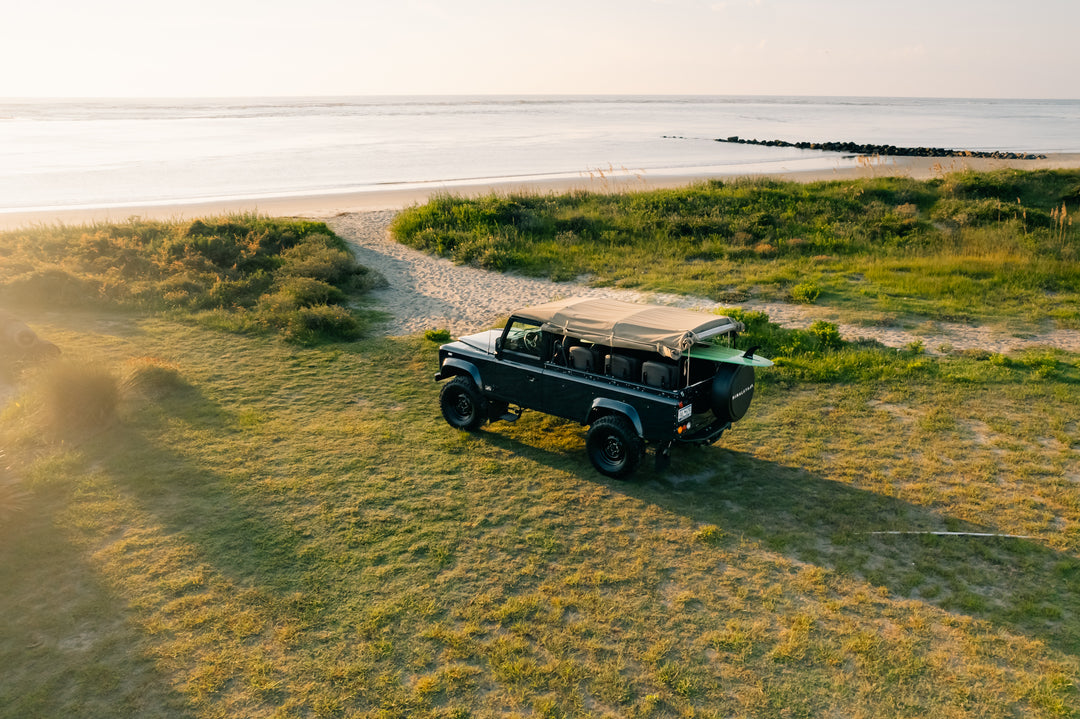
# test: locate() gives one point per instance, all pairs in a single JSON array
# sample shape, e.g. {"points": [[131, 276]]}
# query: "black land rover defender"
{"points": [[636, 374]]}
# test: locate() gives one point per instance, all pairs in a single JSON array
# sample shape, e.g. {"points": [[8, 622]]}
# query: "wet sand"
{"points": [[394, 198]]}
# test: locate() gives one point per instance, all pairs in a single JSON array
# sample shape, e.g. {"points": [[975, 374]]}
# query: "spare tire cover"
{"points": [[732, 391]]}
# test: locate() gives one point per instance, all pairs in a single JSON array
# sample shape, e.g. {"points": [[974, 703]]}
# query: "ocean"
{"points": [[88, 154]]}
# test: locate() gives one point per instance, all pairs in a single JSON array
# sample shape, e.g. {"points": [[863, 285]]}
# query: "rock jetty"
{"points": [[856, 148]]}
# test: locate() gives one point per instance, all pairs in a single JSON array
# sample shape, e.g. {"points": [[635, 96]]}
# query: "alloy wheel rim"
{"points": [[613, 449], [463, 406]]}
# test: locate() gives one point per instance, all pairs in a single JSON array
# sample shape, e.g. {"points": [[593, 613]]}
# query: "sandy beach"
{"points": [[396, 197]]}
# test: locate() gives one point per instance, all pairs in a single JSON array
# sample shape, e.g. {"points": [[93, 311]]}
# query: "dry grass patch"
{"points": [[270, 530]]}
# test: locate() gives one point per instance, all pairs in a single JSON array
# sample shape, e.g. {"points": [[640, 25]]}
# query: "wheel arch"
{"points": [[453, 367], [602, 407]]}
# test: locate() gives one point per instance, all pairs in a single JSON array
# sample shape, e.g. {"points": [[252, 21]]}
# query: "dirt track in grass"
{"points": [[425, 292]]}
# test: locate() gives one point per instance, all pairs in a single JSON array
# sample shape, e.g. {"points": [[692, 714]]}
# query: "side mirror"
{"points": [[498, 345]]}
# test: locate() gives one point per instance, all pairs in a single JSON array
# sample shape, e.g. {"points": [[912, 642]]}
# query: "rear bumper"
{"points": [[706, 435]]}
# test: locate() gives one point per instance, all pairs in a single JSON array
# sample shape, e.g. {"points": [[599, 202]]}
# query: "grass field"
{"points": [[266, 528], [990, 247]]}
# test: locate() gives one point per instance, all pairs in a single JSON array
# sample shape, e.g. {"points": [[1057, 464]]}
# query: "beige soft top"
{"points": [[667, 330]]}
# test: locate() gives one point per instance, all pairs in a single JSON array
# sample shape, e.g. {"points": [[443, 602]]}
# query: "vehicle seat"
{"points": [[624, 367], [658, 374], [582, 358], [558, 353], [599, 357]]}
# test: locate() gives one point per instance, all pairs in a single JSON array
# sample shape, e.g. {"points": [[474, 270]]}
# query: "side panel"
{"points": [[570, 393], [579, 396], [515, 378], [520, 379]]}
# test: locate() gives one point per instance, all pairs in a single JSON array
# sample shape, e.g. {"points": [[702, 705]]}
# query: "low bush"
{"points": [[318, 259], [239, 266], [827, 335], [775, 340], [296, 292], [71, 396], [805, 293], [437, 335], [311, 325], [51, 286], [153, 377]]}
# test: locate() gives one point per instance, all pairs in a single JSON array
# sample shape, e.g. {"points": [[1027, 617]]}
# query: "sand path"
{"points": [[425, 292]]}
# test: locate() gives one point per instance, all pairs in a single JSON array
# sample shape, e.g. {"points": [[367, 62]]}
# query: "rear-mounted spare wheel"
{"points": [[732, 391]]}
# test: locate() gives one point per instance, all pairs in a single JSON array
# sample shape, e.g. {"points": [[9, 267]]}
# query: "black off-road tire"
{"points": [[462, 406], [614, 447]]}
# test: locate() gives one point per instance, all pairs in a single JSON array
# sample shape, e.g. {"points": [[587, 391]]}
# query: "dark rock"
{"points": [[893, 150]]}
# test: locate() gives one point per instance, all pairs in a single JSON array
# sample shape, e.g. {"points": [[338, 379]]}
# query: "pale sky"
{"points": [[204, 48]]}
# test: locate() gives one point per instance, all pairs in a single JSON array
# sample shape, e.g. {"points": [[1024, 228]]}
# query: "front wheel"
{"points": [[614, 447], [461, 404]]}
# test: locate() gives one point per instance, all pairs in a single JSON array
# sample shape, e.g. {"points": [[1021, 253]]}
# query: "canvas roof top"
{"points": [[667, 330]]}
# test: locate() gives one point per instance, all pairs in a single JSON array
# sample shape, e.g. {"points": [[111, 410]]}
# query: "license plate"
{"points": [[684, 414]]}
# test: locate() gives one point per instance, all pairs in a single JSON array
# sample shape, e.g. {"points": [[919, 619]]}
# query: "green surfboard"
{"points": [[726, 354]]}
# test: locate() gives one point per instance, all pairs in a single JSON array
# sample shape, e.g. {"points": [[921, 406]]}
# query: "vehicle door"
{"points": [[517, 374], [571, 386]]}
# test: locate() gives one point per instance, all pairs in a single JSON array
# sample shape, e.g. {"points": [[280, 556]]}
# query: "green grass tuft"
{"points": [[73, 396]]}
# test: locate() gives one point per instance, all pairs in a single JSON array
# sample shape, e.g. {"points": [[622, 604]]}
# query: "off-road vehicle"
{"points": [[635, 374]]}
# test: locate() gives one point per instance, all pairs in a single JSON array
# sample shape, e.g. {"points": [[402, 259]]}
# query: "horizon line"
{"points": [[536, 95]]}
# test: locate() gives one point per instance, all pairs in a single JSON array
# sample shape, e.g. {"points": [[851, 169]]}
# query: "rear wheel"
{"points": [[614, 446], [461, 404]]}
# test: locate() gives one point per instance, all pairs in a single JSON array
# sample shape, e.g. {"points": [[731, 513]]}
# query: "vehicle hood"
{"points": [[481, 341]]}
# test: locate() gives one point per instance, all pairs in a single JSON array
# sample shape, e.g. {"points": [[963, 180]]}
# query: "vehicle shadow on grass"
{"points": [[71, 649], [203, 503], [1018, 584], [207, 549], [77, 647]]}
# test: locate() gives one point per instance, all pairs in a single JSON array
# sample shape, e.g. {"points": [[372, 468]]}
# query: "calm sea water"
{"points": [[87, 154]]}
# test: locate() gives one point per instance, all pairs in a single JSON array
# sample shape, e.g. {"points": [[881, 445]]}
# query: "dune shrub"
{"points": [[295, 292], [318, 323], [243, 266], [827, 335], [805, 293], [152, 377], [51, 286], [437, 335], [74, 396]]}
